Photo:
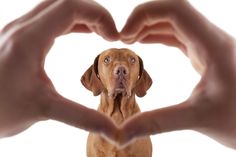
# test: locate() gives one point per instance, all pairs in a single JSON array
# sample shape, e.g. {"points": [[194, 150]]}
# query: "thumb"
{"points": [[61, 109], [177, 117]]}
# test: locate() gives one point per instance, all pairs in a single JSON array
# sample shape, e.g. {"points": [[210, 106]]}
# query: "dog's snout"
{"points": [[120, 71]]}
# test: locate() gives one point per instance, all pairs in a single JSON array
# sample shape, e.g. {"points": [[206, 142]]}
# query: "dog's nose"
{"points": [[120, 71]]}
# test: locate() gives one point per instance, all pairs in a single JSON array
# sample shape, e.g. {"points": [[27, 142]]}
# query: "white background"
{"points": [[172, 74]]}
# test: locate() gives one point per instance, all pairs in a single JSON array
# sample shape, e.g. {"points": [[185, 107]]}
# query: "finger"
{"points": [[71, 113], [168, 40], [30, 14], [9, 25], [167, 119], [159, 28], [105, 26], [160, 33], [98, 20], [81, 28], [194, 29], [135, 23], [144, 15], [61, 17]]}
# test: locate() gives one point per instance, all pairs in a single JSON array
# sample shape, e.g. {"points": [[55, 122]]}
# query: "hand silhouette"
{"points": [[26, 93], [211, 107]]}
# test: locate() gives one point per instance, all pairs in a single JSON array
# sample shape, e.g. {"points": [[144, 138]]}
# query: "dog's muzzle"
{"points": [[120, 74]]}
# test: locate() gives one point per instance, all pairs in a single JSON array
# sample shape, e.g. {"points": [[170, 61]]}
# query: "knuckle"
{"points": [[159, 9], [15, 41], [142, 12], [4, 30], [7, 27], [69, 3], [102, 17], [139, 10], [46, 101]]}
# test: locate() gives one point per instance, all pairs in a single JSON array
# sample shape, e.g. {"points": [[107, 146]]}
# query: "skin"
{"points": [[211, 107], [27, 95]]}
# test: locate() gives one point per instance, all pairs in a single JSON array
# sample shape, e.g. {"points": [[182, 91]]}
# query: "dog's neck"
{"points": [[118, 108]]}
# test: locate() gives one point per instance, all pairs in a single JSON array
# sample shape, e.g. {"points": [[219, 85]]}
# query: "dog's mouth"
{"points": [[120, 88]]}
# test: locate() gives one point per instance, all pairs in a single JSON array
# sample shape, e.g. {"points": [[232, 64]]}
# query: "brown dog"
{"points": [[117, 74]]}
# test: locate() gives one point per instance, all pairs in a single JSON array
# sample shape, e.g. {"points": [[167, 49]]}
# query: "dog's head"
{"points": [[117, 71]]}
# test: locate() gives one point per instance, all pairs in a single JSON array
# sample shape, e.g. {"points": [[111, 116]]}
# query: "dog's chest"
{"points": [[119, 109], [101, 148], [117, 115]]}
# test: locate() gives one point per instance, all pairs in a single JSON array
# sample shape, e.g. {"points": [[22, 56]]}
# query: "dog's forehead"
{"points": [[118, 53]]}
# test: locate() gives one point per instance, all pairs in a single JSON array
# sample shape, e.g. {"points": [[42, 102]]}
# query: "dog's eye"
{"points": [[132, 60], [107, 60]]}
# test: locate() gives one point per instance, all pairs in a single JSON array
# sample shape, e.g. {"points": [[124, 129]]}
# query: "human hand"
{"points": [[26, 93], [211, 107]]}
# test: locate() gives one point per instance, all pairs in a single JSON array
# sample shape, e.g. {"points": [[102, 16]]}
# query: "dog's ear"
{"points": [[90, 79], [144, 82]]}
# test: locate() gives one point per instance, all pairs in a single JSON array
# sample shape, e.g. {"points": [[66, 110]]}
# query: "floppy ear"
{"points": [[90, 79], [144, 82]]}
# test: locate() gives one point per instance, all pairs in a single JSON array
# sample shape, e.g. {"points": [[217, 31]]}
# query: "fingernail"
{"points": [[128, 41], [113, 37]]}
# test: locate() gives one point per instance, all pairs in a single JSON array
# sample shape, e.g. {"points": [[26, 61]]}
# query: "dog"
{"points": [[117, 75]]}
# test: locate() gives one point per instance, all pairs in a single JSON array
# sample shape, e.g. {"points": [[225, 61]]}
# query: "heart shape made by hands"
{"points": [[159, 31], [176, 23]]}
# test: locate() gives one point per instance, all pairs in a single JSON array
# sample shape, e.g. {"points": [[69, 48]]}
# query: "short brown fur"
{"points": [[117, 74]]}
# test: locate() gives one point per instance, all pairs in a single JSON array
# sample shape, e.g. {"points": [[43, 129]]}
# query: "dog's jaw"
{"points": [[119, 91], [118, 108], [120, 87]]}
